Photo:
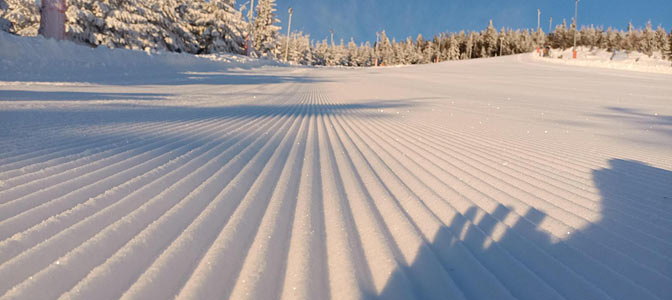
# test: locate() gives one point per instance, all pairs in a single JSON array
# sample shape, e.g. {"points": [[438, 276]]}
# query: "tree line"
{"points": [[190, 26], [214, 26], [475, 44]]}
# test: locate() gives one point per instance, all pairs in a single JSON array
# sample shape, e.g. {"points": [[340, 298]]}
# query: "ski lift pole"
{"points": [[501, 40], [289, 26], [249, 39], [250, 13], [576, 28], [52, 22], [332, 37]]}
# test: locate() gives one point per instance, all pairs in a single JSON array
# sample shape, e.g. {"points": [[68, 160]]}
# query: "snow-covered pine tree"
{"points": [[340, 54], [557, 38], [218, 26], [613, 39], [85, 21], [539, 38], [366, 55], [291, 47], [24, 16], [631, 38], [662, 42], [601, 38], [321, 53], [453, 48], [405, 51], [385, 49], [265, 30], [303, 48], [5, 25], [647, 42], [469, 48], [420, 46], [173, 20], [352, 53], [415, 50], [114, 23], [489, 39], [669, 38]]}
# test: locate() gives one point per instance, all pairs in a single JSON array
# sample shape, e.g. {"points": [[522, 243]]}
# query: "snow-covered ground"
{"points": [[150, 177], [620, 60]]}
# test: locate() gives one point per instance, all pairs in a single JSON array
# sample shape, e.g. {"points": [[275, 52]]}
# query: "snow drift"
{"points": [[620, 60], [40, 59]]}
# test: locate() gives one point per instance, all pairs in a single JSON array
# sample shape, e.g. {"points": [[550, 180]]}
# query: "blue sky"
{"points": [[362, 18]]}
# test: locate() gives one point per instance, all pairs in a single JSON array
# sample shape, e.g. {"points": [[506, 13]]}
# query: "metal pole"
{"points": [[332, 36], [500, 45], [550, 25], [576, 15], [249, 41], [291, 11], [376, 47], [250, 14], [538, 19]]}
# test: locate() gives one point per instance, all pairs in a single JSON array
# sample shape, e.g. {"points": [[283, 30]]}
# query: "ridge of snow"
{"points": [[40, 59], [600, 58]]}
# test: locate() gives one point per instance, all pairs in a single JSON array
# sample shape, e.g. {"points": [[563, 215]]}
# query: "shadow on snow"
{"points": [[625, 255]]}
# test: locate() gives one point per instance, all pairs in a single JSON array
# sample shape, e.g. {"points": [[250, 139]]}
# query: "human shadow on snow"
{"points": [[627, 254]]}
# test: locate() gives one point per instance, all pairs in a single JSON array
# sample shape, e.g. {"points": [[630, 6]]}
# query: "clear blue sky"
{"points": [[362, 18]]}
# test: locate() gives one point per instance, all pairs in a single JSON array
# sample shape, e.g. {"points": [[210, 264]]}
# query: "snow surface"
{"points": [[621, 60], [136, 176]]}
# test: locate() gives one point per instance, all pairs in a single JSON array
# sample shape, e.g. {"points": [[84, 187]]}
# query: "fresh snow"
{"points": [[134, 175], [601, 58]]}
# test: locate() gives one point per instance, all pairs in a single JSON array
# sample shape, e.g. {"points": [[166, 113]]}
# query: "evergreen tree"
{"points": [[339, 54], [386, 51], [5, 25], [589, 36], [559, 37], [662, 42], [647, 42], [453, 48], [489, 41], [265, 30], [469, 47], [23, 15], [115, 24], [614, 39], [353, 54], [218, 26], [305, 49], [417, 51], [321, 53], [631, 38], [669, 52], [366, 55], [208, 26]]}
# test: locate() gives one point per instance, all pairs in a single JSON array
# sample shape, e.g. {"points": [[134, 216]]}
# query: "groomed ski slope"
{"points": [[505, 178]]}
